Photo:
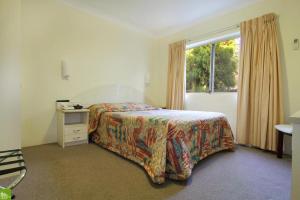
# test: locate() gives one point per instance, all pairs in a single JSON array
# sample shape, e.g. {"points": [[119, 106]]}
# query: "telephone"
{"points": [[68, 105]]}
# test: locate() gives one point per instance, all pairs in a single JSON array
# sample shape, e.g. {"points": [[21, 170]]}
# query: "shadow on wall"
{"points": [[49, 137], [285, 92]]}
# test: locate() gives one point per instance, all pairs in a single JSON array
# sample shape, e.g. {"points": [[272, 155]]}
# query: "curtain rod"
{"points": [[235, 26]]}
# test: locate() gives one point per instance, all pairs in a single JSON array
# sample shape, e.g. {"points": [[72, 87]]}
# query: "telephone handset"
{"points": [[66, 105]]}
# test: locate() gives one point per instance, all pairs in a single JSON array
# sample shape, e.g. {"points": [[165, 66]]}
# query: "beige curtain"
{"points": [[259, 86], [176, 76]]}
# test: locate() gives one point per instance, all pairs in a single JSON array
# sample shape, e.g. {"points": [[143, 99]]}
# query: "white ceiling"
{"points": [[159, 17]]}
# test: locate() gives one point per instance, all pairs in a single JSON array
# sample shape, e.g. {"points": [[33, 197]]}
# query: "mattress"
{"points": [[167, 143]]}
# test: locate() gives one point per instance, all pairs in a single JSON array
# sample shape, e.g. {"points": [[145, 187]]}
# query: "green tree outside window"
{"points": [[199, 66]]}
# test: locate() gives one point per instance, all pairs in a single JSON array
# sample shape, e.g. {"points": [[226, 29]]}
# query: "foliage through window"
{"points": [[213, 67]]}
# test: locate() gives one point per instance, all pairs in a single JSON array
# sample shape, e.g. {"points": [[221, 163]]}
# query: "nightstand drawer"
{"points": [[79, 129], [75, 137]]}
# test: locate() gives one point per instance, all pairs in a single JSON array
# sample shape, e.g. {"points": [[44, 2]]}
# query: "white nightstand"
{"points": [[72, 127]]}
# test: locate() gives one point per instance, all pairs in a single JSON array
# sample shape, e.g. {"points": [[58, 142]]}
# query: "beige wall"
{"points": [[10, 74], [107, 62], [288, 11]]}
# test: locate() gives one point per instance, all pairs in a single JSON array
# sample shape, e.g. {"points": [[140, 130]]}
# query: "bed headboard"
{"points": [[110, 94]]}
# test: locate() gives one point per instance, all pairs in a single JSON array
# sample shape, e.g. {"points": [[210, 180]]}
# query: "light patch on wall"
{"points": [[65, 70]]}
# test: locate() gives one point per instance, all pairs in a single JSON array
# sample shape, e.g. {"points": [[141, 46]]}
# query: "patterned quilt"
{"points": [[167, 143]]}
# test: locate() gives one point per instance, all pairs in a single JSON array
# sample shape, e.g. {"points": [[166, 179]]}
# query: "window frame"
{"points": [[212, 42]]}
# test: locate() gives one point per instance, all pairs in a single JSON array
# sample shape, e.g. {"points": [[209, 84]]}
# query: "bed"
{"points": [[167, 143]]}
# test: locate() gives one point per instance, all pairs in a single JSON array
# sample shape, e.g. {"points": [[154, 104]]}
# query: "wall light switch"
{"points": [[296, 44]]}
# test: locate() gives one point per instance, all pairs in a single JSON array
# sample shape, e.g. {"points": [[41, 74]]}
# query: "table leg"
{"points": [[279, 144]]}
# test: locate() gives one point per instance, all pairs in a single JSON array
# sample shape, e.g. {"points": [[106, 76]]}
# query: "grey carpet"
{"points": [[90, 172]]}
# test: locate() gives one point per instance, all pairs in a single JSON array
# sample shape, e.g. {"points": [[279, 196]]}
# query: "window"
{"points": [[212, 67]]}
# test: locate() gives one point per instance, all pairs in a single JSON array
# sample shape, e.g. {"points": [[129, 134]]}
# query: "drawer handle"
{"points": [[76, 138], [76, 131]]}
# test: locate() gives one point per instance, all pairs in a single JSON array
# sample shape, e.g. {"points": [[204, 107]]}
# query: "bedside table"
{"points": [[72, 127]]}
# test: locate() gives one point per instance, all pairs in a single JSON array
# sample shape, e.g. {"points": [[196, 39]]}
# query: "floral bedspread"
{"points": [[167, 143]]}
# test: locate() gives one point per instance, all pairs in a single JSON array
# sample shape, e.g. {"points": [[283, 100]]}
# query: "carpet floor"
{"points": [[88, 172]]}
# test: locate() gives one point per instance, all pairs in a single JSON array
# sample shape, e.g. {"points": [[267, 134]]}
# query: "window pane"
{"points": [[198, 69], [226, 65]]}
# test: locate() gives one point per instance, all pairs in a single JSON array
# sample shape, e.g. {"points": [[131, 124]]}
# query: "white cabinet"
{"points": [[295, 119], [72, 127]]}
